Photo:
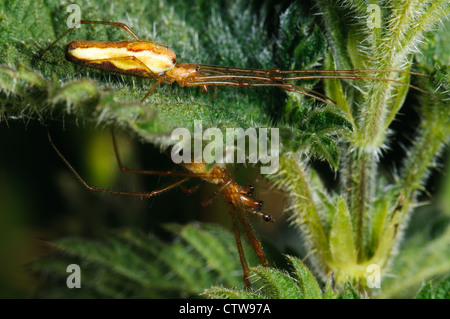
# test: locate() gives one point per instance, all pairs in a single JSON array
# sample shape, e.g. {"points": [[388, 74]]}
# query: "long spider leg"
{"points": [[210, 78], [256, 244], [213, 73], [189, 190], [285, 86], [237, 237], [252, 81], [102, 190], [313, 94], [159, 173], [352, 72], [116, 24], [218, 190], [268, 72], [150, 91], [345, 77]]}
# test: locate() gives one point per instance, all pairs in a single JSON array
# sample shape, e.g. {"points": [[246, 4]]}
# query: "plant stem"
{"points": [[432, 135], [362, 166]]}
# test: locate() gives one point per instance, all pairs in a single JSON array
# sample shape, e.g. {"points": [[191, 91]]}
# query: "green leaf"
{"points": [[278, 284], [329, 291], [350, 292], [441, 291], [82, 95], [211, 248], [442, 76], [342, 242], [309, 285], [419, 261], [275, 284], [300, 41], [425, 292], [130, 264], [334, 90], [327, 120], [89, 100], [226, 293], [325, 147]]}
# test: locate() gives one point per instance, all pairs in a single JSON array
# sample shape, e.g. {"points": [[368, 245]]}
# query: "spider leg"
{"points": [[101, 190]]}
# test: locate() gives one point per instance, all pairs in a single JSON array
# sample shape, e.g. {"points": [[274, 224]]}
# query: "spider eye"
{"points": [[260, 206], [250, 190], [267, 218]]}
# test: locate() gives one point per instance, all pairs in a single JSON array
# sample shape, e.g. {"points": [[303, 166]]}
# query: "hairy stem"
{"points": [[362, 169], [431, 136]]}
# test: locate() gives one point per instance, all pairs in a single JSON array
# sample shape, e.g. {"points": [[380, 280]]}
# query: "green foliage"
{"points": [[363, 223], [441, 291], [424, 255], [132, 264], [277, 284], [107, 100], [314, 134], [358, 222], [342, 242]]}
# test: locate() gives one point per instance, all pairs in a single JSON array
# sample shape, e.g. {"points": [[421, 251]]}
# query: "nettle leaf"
{"points": [[228, 37], [442, 77], [330, 293], [100, 92], [424, 256], [327, 120], [316, 133], [325, 147], [333, 88], [435, 52], [342, 243], [226, 293], [425, 292], [274, 283], [131, 264], [307, 282], [277, 284], [315, 130], [23, 82], [299, 35], [215, 253], [440, 291], [350, 292]]}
